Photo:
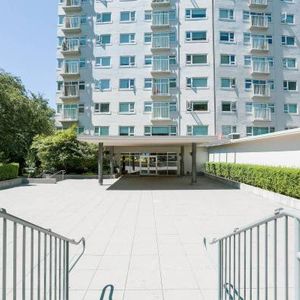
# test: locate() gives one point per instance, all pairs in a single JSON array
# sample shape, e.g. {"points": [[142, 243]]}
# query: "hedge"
{"points": [[281, 180], [9, 171]]}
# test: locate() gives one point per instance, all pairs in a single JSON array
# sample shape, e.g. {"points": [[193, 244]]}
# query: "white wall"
{"points": [[276, 151]]}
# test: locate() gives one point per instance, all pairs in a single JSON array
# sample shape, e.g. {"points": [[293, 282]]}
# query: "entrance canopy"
{"points": [[137, 141]]}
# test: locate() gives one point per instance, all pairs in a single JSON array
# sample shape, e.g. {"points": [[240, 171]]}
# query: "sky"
{"points": [[28, 43]]}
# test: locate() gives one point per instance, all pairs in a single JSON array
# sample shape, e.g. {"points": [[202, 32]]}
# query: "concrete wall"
{"points": [[276, 151]]}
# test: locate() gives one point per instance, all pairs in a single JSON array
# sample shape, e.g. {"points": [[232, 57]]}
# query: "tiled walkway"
{"points": [[145, 236]]}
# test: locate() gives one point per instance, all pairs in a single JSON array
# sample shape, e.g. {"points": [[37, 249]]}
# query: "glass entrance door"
{"points": [[148, 165]]}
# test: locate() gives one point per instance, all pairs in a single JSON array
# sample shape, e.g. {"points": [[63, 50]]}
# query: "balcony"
{"points": [[71, 70], [160, 20], [160, 3], [161, 88], [161, 112], [70, 47], [69, 115], [259, 4], [261, 90], [259, 22], [72, 6], [161, 42], [161, 65], [261, 114], [72, 25], [70, 92], [260, 45], [260, 67]]}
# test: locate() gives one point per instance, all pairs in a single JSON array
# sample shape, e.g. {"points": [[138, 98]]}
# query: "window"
{"points": [[253, 131], [147, 83], [227, 37], [195, 36], [126, 107], [291, 108], [126, 130], [103, 17], [147, 107], [81, 108], [127, 61], [289, 85], [127, 38], [288, 40], [287, 19], [197, 82], [59, 108], [103, 84], [226, 14], [228, 106], [103, 39], [197, 130], [228, 129], [228, 59], [259, 106], [102, 108], [195, 14], [148, 15], [160, 130], [127, 16], [148, 60], [101, 130], [80, 130], [126, 84], [197, 106], [103, 61], [228, 83], [196, 59], [289, 63], [147, 37]]}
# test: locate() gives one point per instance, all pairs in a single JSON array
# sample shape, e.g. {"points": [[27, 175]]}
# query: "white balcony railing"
{"points": [[261, 90], [161, 41], [161, 88], [72, 3], [260, 44], [70, 45], [262, 114], [161, 2], [258, 2], [70, 91], [161, 111], [161, 19], [70, 114], [161, 64], [72, 22], [71, 68], [260, 22], [259, 66]]}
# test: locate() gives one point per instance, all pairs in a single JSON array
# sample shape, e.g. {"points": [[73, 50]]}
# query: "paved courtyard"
{"points": [[145, 236]]}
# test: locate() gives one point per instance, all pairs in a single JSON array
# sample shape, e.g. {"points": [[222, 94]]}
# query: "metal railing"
{"points": [[70, 45], [259, 21], [260, 44], [72, 3], [260, 66], [161, 111], [262, 114], [261, 90], [161, 88], [161, 64], [59, 175], [258, 2], [72, 22], [35, 261], [262, 260], [70, 90], [71, 67], [161, 41], [161, 18]]}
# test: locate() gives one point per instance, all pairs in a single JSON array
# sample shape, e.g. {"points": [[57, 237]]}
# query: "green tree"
{"points": [[22, 116]]}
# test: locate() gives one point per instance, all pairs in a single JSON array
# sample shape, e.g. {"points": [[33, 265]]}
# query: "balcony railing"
{"points": [[259, 22], [161, 64], [161, 42], [260, 67], [161, 111], [160, 89], [72, 5], [158, 3], [70, 46], [161, 19], [72, 24], [261, 90], [260, 44], [70, 91], [69, 114], [258, 3], [262, 114]]}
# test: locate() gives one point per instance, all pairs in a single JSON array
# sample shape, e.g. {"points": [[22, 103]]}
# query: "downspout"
{"points": [[179, 70], [214, 67]]}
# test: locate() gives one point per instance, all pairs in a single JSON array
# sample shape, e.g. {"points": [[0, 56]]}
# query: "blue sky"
{"points": [[28, 43]]}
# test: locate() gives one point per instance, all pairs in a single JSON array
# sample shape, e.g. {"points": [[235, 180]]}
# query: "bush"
{"points": [[9, 171], [281, 180]]}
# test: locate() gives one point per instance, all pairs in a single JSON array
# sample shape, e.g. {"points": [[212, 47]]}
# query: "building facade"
{"points": [[178, 68]]}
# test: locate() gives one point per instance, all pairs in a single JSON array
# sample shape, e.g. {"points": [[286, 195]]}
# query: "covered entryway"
{"points": [[148, 165]]}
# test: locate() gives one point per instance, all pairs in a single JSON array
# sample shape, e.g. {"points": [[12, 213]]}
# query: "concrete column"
{"points": [[111, 160], [182, 161], [133, 163], [194, 163], [100, 163]]}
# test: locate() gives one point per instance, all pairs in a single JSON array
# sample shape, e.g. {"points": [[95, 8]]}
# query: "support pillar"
{"points": [[133, 163], [182, 161], [100, 163], [194, 163], [111, 160]]}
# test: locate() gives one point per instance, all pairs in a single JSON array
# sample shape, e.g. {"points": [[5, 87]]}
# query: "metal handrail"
{"points": [[63, 172]]}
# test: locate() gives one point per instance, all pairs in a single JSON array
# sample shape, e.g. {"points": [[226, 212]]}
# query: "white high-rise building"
{"points": [[178, 68]]}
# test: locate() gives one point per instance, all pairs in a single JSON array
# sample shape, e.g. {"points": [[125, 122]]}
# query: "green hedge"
{"points": [[9, 171], [281, 180]]}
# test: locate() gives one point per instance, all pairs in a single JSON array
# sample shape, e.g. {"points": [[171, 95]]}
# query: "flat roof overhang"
{"points": [[139, 141]]}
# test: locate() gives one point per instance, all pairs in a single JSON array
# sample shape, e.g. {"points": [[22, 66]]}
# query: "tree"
{"points": [[62, 151], [22, 116]]}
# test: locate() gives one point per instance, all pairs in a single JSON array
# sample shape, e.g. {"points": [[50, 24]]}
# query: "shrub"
{"points": [[9, 171], [281, 180]]}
